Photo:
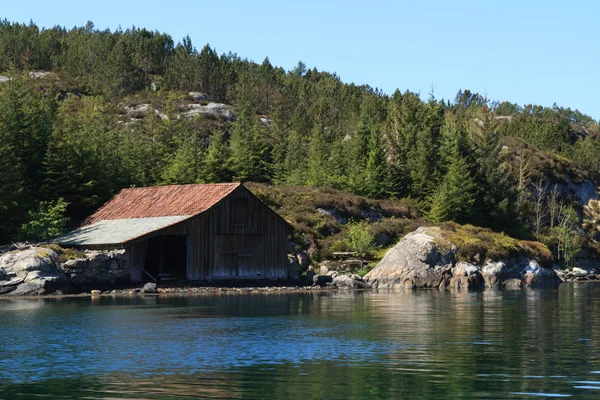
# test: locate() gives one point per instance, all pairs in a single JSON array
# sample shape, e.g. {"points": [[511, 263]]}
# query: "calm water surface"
{"points": [[346, 345]]}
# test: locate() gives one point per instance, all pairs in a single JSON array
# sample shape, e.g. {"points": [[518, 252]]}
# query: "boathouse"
{"points": [[195, 232]]}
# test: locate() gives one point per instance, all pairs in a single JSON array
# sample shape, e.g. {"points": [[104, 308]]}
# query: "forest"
{"points": [[69, 139]]}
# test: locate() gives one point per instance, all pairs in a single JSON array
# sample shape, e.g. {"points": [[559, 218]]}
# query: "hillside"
{"points": [[85, 113]]}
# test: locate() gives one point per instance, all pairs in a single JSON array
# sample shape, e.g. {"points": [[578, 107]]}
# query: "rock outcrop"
{"points": [[419, 261], [34, 271], [415, 262], [298, 261], [349, 282], [216, 109]]}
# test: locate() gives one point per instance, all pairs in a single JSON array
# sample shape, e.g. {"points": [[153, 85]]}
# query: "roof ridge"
{"points": [[167, 200], [185, 184]]}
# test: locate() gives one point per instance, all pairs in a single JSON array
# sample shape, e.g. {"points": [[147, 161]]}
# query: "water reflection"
{"points": [[381, 344]]}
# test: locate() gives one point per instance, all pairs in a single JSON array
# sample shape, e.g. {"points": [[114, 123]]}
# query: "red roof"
{"points": [[162, 201]]}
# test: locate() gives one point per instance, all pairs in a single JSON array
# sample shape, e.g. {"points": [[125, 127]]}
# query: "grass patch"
{"points": [[65, 254], [476, 245]]}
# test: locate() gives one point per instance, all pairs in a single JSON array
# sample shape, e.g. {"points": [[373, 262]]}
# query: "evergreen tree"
{"points": [[79, 162], [358, 153], [215, 168], [421, 165], [295, 159], [26, 123], [456, 196], [318, 155], [186, 164], [377, 176], [248, 150], [11, 189]]}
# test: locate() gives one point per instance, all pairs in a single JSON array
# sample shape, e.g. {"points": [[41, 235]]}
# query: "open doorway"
{"points": [[166, 257]]}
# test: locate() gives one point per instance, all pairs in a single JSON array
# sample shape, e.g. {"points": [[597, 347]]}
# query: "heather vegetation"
{"points": [[114, 109]]}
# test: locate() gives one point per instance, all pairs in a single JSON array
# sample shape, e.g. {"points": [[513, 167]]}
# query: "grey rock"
{"points": [[382, 239], [303, 258], [38, 268], [536, 276], [198, 96], [293, 266], [40, 74], [370, 214], [512, 284], [333, 214], [493, 273], [347, 282], [149, 287], [415, 262], [13, 282], [579, 271], [138, 110], [217, 109], [466, 276]]}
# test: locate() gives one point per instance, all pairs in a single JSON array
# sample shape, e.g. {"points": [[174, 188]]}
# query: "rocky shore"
{"points": [[422, 259]]}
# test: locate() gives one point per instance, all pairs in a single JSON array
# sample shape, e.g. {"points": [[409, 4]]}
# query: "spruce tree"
{"points": [[358, 153], [316, 168], [248, 150], [295, 159], [11, 190], [185, 166], [456, 196], [216, 168], [377, 176]]}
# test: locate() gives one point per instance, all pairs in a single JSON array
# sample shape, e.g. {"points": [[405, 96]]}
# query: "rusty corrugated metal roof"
{"points": [[162, 201]]}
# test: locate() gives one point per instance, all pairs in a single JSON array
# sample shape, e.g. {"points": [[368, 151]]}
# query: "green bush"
{"points": [[45, 221], [359, 238]]}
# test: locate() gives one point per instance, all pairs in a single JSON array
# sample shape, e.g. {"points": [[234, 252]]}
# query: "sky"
{"points": [[526, 52]]}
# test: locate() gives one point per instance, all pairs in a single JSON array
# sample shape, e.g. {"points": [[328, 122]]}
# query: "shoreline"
{"points": [[233, 290]]}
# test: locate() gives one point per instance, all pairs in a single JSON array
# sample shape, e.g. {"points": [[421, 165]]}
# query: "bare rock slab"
{"points": [[415, 262]]}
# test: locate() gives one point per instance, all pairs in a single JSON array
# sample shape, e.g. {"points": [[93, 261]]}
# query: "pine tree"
{"points": [[377, 176], [186, 164], [316, 168], [295, 159], [358, 153], [216, 162], [11, 189], [456, 196], [248, 150], [79, 162], [25, 119], [421, 165]]}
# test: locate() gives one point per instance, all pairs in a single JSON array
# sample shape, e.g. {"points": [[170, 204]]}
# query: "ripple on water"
{"points": [[425, 345]]}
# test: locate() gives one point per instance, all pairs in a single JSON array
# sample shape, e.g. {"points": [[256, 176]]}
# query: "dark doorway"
{"points": [[166, 257]]}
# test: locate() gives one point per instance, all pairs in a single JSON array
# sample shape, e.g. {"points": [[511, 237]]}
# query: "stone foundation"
{"points": [[100, 267]]}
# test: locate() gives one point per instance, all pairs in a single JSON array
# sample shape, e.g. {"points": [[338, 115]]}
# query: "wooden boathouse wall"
{"points": [[238, 238]]}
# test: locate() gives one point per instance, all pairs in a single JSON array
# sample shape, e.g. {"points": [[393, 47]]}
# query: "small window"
{"points": [[239, 212]]}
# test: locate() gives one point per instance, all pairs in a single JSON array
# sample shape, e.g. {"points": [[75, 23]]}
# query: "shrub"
{"points": [[359, 238], [45, 221]]}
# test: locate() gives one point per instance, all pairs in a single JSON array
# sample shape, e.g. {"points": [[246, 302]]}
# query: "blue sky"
{"points": [[537, 52]]}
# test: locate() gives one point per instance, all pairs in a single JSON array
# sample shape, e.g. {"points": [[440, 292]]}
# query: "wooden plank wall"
{"points": [[256, 249], [137, 258], [221, 245]]}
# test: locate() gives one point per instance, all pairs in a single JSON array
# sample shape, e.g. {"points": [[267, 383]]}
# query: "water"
{"points": [[346, 345]]}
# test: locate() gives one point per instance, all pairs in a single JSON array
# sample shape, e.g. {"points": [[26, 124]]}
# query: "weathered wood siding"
{"points": [[238, 238], [249, 239]]}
